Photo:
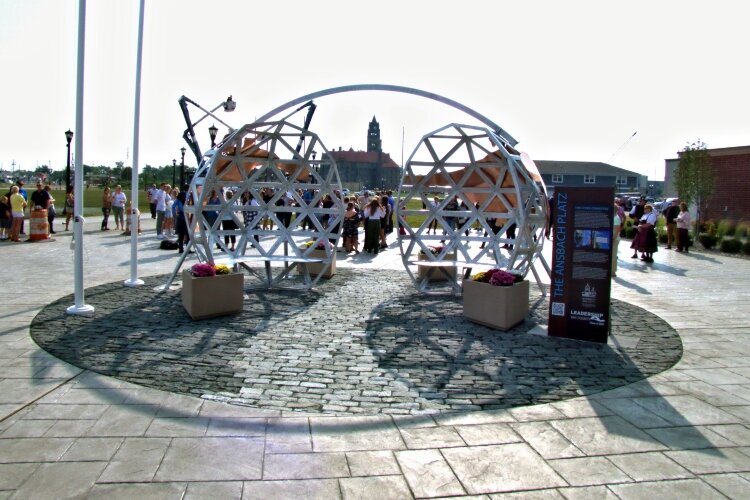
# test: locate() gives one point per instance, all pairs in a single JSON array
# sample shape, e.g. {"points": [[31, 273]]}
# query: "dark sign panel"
{"points": [[582, 263]]}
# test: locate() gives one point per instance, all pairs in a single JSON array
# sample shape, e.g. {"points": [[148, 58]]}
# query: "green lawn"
{"points": [[92, 199]]}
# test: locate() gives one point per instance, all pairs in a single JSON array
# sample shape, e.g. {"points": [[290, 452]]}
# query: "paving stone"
{"points": [[229, 490], [589, 471], [355, 434], [13, 475], [475, 435], [431, 437], [649, 466], [136, 460], [525, 495], [33, 449], [61, 480], [212, 459], [711, 461], [372, 463], [605, 436], [498, 468], [428, 474], [92, 449], [677, 490], [365, 488], [546, 440], [142, 491], [305, 466]]}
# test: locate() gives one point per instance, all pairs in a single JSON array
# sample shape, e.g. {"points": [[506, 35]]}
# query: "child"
{"points": [[683, 224], [4, 218]]}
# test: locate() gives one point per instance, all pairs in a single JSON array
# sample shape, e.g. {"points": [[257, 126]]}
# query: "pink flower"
{"points": [[202, 270]]}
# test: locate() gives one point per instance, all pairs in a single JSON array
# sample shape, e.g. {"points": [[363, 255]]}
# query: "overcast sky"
{"points": [[569, 80]]}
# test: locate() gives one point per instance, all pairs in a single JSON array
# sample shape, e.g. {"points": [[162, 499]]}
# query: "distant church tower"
{"points": [[373, 137]]}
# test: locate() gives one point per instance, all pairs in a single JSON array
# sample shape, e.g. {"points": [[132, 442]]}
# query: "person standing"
{"points": [[118, 207], [391, 209], [51, 211], [17, 204], [106, 207], [24, 194], [68, 208], [39, 198], [4, 217], [151, 194], [671, 213], [683, 225], [645, 239], [373, 213], [178, 215], [616, 227], [161, 205]]}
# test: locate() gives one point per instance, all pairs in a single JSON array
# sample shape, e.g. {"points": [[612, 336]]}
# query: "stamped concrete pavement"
{"points": [[683, 433]]}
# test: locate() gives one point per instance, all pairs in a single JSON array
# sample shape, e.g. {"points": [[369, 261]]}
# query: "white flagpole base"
{"points": [[84, 310], [133, 282]]}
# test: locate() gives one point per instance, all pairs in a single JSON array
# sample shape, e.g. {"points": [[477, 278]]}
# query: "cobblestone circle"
{"points": [[362, 343]]}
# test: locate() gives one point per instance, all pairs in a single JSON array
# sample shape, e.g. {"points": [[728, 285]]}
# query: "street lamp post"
{"points": [[68, 137], [174, 166], [212, 131], [182, 168]]}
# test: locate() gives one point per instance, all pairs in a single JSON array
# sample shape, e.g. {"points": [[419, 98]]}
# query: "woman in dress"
{"points": [[106, 207], [351, 229], [645, 239], [373, 213]]}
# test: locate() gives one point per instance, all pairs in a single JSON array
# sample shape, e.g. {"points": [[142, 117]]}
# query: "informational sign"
{"points": [[582, 263]]}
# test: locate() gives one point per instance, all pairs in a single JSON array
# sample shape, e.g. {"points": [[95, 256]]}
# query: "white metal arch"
{"points": [[391, 88]]}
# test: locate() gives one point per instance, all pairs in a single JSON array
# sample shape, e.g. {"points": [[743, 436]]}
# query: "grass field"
{"points": [[92, 199]]}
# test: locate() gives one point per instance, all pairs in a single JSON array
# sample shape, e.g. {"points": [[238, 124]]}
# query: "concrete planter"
{"points": [[500, 307], [212, 296], [315, 269], [438, 274]]}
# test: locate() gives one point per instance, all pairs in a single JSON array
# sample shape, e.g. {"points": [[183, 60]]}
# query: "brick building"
{"points": [[372, 169], [731, 194]]}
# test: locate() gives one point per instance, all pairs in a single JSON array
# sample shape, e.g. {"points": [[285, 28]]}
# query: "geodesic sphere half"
{"points": [[467, 195], [263, 187]]}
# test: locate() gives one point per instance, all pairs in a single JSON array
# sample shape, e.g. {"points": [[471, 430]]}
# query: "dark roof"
{"points": [[352, 156], [581, 167]]}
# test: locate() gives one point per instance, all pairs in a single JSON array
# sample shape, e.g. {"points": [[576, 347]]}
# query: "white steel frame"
{"points": [[494, 182], [256, 156]]}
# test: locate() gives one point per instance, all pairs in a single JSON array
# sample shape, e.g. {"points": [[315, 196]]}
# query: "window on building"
{"points": [[622, 180], [557, 178], [589, 179]]}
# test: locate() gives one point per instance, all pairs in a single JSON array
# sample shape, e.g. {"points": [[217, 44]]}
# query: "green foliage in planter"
{"points": [[725, 228], [708, 240], [742, 230], [746, 248], [730, 245], [708, 227], [630, 232]]}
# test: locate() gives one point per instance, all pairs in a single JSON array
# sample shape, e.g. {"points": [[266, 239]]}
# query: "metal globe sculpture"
{"points": [[266, 171], [468, 199]]}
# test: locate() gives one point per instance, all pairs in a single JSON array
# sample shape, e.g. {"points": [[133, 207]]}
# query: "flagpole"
{"points": [[80, 307], [133, 280]]}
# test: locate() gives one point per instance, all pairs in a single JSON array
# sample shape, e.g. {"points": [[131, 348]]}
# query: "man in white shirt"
{"points": [[151, 194], [160, 197]]}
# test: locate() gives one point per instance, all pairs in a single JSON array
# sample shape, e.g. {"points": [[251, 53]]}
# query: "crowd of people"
{"points": [[645, 217]]}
